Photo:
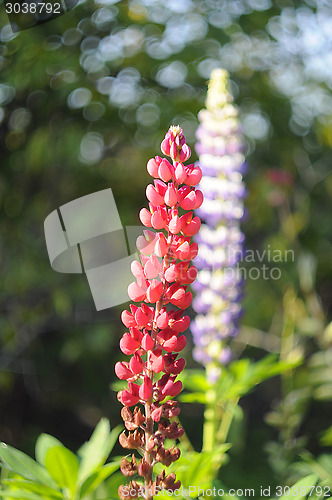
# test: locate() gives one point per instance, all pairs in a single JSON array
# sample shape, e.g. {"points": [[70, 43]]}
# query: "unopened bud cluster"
{"points": [[155, 328]]}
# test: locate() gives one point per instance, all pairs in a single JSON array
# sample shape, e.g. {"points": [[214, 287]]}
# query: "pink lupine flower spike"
{"points": [[155, 327]]}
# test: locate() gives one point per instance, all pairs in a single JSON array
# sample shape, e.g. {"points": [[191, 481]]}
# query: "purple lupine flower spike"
{"points": [[218, 286]]}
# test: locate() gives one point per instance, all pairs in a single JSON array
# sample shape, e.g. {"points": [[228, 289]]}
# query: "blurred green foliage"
{"points": [[57, 473]]}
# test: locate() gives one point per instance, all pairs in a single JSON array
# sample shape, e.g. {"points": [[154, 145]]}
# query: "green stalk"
{"points": [[212, 415], [226, 421], [218, 416], [210, 421]]}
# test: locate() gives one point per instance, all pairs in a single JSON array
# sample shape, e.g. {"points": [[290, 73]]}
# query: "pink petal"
{"points": [[145, 217], [185, 153], [181, 324], [194, 176], [176, 367], [173, 152], [156, 361], [153, 196], [170, 344], [171, 196], [141, 318], [145, 391], [152, 268], [181, 343], [137, 269], [178, 297], [193, 250], [199, 199], [189, 201], [165, 147], [165, 170], [171, 273], [156, 414], [157, 221], [161, 246], [122, 371], [193, 227], [154, 292], [182, 252], [136, 364], [135, 292], [147, 342], [128, 399], [152, 167], [127, 319], [128, 345], [162, 321], [180, 174], [175, 225], [176, 389]]}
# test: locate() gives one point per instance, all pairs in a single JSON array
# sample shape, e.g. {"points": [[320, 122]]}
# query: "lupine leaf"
{"points": [[93, 481], [193, 397], [63, 466], [95, 452], [43, 491], [198, 469], [21, 494], [25, 466], [43, 444], [242, 376], [238, 379], [113, 483], [195, 380]]}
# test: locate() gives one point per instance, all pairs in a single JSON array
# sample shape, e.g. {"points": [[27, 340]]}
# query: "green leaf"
{"points": [[195, 380], [243, 375], [112, 484], [199, 469], [33, 487], [95, 452], [43, 444], [304, 483], [238, 379], [25, 466], [63, 466], [21, 494], [193, 397], [93, 481]]}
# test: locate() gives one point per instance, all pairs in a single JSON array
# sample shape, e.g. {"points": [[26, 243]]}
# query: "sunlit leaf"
{"points": [[43, 444], [43, 491], [93, 481], [63, 466], [24, 465], [95, 452]]}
